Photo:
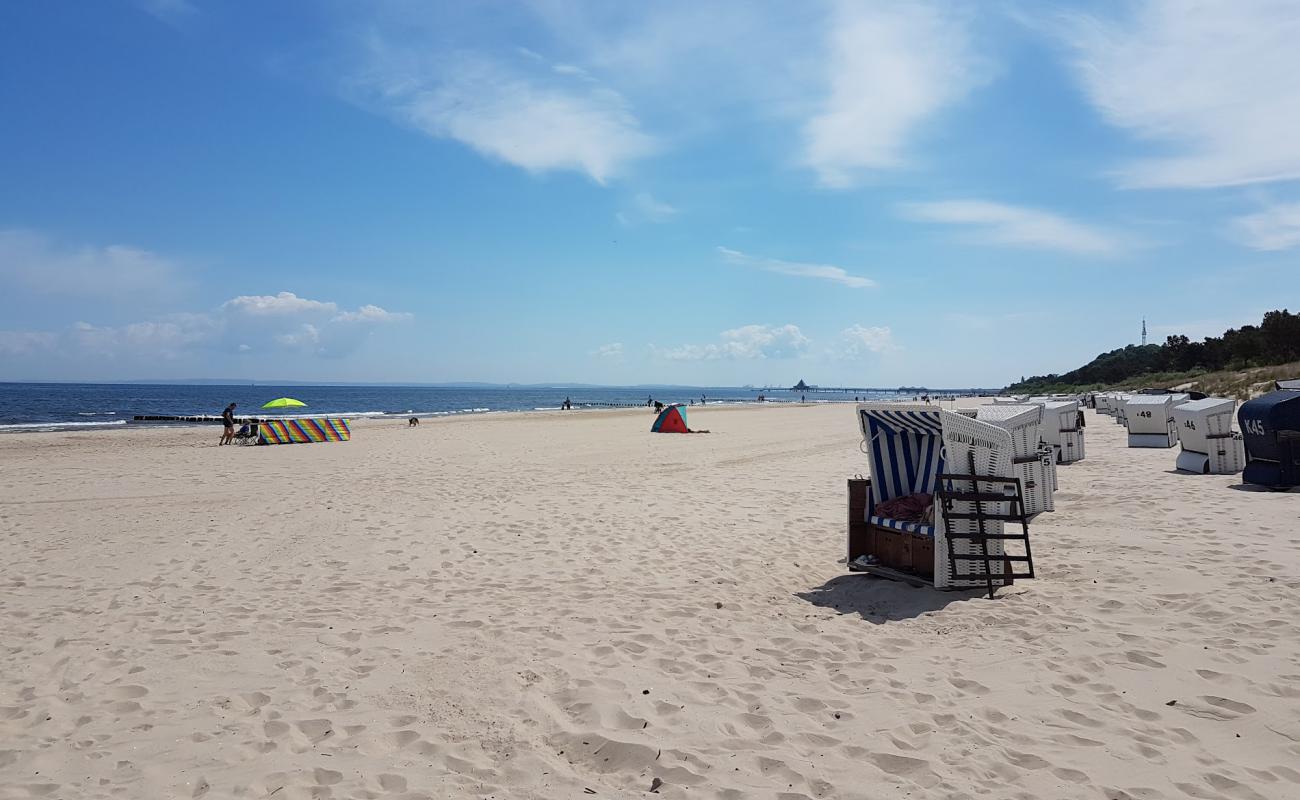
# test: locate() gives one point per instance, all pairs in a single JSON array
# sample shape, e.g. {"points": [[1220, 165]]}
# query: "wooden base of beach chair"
{"points": [[902, 551], [897, 551]]}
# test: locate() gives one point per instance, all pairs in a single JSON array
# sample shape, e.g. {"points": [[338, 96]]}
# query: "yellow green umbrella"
{"points": [[284, 402]]}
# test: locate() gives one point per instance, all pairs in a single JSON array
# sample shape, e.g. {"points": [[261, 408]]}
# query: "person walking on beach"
{"points": [[228, 418]]}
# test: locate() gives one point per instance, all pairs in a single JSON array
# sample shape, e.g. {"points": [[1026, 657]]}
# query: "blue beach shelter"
{"points": [[1270, 426]]}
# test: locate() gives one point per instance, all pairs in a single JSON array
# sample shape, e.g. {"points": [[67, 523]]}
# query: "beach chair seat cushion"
{"points": [[919, 528]]}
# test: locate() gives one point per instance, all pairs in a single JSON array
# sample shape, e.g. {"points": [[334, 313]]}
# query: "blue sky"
{"points": [[863, 193]]}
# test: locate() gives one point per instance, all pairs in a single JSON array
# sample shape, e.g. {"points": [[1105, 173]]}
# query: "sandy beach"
{"points": [[566, 606]]}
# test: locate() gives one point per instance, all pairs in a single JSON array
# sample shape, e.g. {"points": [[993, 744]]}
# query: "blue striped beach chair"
{"points": [[905, 447], [908, 447]]}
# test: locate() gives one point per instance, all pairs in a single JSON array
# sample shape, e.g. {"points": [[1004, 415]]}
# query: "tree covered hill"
{"points": [[1276, 340]]}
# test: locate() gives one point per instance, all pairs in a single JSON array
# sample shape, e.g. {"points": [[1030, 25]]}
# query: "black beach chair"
{"points": [[247, 434]]}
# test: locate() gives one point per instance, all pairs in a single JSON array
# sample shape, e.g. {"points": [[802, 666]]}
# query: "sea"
{"points": [[107, 406]]}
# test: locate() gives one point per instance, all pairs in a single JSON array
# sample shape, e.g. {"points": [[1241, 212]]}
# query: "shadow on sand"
{"points": [[1252, 487], [879, 600]]}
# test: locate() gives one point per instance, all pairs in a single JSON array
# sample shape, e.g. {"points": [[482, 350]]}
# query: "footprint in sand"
{"points": [[392, 783]]}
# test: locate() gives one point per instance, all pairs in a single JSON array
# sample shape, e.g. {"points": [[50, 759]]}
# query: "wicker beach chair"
{"points": [[1209, 445], [910, 450], [1150, 420], [1031, 461]]}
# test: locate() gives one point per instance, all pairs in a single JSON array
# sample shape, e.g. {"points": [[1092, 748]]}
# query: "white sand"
{"points": [[527, 606]]}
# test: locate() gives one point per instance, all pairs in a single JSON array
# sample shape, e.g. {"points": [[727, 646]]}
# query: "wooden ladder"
{"points": [[976, 490]]}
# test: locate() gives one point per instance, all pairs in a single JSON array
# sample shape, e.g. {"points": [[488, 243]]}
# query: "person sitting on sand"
{"points": [[228, 418]]}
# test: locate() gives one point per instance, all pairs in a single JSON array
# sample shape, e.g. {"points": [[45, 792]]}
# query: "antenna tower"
{"points": [[1144, 332]]}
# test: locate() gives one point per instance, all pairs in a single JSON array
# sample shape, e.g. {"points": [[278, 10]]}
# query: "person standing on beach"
{"points": [[228, 419]]}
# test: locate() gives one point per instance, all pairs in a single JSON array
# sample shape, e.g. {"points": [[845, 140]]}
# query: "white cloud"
{"points": [[277, 304], [305, 336], [746, 342], [1274, 228], [613, 350], [285, 321], [371, 313], [16, 344], [1214, 81], [34, 262], [1015, 226], [892, 67], [166, 338], [246, 324], [518, 111], [857, 341], [605, 84], [825, 272]]}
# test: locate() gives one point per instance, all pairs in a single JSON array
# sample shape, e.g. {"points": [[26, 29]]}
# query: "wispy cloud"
{"points": [[746, 342], [612, 351], [826, 272], [1212, 80], [1275, 228], [173, 12], [520, 111], [40, 265], [247, 324], [891, 67], [20, 344], [371, 313], [1015, 226], [853, 84], [643, 207]]}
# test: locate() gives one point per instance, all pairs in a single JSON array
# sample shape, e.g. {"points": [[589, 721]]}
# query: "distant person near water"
{"points": [[228, 418], [567, 405]]}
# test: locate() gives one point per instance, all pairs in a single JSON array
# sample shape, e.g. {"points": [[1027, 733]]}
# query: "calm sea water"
{"points": [[64, 406]]}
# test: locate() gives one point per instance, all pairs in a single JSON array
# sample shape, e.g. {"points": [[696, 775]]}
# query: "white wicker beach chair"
{"points": [[1121, 409], [1209, 444], [1061, 430], [989, 448], [1151, 420], [1032, 462]]}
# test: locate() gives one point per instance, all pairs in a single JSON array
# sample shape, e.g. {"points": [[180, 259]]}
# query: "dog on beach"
{"points": [[412, 422]]}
